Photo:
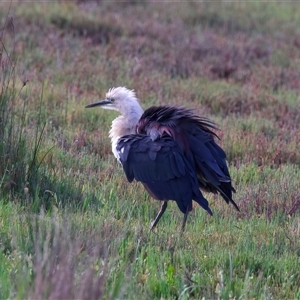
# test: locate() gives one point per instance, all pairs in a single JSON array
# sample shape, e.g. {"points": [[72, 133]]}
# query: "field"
{"points": [[71, 226]]}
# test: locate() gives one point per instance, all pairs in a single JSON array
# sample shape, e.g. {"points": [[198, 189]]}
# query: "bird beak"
{"points": [[99, 103]]}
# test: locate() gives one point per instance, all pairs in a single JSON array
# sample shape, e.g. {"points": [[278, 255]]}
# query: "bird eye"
{"points": [[112, 99]]}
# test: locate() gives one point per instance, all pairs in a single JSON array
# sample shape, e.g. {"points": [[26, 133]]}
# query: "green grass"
{"points": [[71, 226]]}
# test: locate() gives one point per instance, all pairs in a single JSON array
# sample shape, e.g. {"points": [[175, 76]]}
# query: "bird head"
{"points": [[120, 99]]}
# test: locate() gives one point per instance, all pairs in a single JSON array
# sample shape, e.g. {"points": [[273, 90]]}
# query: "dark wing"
{"points": [[195, 136], [211, 166], [163, 169]]}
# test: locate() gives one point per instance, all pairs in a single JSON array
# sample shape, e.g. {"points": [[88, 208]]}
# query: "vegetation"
{"points": [[71, 226]]}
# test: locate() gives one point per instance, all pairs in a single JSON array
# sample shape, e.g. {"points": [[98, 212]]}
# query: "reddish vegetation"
{"points": [[158, 56], [262, 204]]}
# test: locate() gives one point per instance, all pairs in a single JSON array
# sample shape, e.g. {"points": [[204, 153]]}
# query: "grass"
{"points": [[71, 226]]}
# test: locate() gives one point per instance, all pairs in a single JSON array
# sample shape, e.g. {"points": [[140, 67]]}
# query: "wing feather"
{"points": [[173, 154], [167, 175], [210, 160], [135, 150]]}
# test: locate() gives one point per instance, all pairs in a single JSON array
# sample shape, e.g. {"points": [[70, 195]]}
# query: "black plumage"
{"points": [[173, 154]]}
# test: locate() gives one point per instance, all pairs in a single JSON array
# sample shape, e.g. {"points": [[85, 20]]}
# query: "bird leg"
{"points": [[184, 220], [160, 213]]}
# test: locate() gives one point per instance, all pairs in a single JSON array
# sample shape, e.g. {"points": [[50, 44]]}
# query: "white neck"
{"points": [[123, 125]]}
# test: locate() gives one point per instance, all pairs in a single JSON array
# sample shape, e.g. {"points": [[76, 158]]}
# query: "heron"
{"points": [[170, 150]]}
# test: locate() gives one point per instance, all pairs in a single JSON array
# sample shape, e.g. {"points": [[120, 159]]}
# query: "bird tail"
{"points": [[203, 203], [226, 192]]}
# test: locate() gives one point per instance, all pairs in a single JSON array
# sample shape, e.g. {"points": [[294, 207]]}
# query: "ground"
{"points": [[71, 226]]}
